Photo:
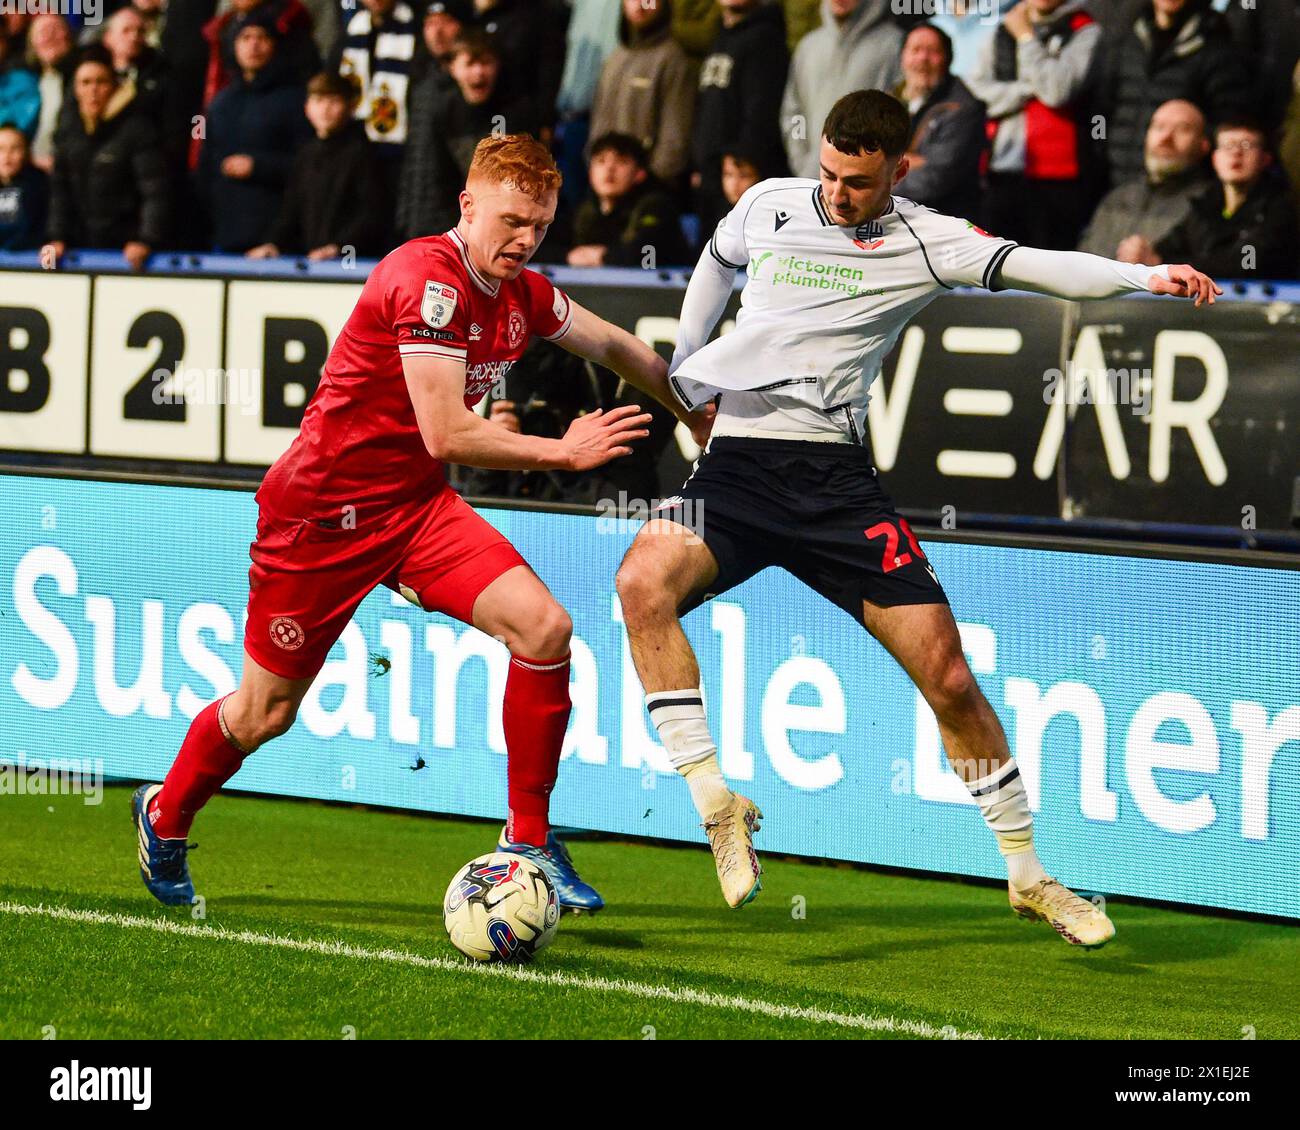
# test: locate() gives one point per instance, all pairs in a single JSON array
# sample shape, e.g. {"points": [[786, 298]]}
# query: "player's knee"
{"points": [[640, 590], [547, 634], [953, 690]]}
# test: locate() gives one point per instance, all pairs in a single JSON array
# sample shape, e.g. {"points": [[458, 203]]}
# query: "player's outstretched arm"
{"points": [[455, 434], [632, 359], [1076, 274]]}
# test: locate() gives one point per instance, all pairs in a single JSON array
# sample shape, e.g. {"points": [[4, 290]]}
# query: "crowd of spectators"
{"points": [[1145, 130]]}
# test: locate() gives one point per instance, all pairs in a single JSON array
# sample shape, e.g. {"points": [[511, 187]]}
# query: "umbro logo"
{"points": [[782, 218], [475, 331]]}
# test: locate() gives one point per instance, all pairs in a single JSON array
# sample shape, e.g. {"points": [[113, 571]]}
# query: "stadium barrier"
{"points": [[1133, 410], [1153, 704]]}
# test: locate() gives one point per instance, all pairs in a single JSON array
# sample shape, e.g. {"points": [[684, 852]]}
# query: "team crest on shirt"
{"points": [[439, 304], [870, 236], [516, 328]]}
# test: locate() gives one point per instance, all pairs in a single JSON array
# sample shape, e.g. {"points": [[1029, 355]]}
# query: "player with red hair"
{"points": [[361, 499]]}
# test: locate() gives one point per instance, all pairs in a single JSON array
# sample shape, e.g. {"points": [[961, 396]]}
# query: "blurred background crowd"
{"points": [[1147, 130]]}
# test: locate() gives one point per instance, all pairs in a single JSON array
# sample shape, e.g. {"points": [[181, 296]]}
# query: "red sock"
{"points": [[536, 714], [207, 760]]}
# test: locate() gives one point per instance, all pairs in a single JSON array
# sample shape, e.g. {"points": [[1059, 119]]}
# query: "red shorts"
{"points": [[307, 580]]}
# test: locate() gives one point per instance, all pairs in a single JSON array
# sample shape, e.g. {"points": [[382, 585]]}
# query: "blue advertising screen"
{"points": [[1153, 705]]}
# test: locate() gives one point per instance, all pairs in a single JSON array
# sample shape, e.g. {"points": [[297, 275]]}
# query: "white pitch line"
{"points": [[510, 972]]}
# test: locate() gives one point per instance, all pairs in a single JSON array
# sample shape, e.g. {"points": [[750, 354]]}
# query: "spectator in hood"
{"points": [[293, 30], [856, 48], [109, 185], [334, 202], [738, 105], [647, 90], [948, 137], [1034, 78], [255, 126]]}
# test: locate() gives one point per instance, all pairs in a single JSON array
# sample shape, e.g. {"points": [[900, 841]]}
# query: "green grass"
{"points": [[936, 952]]}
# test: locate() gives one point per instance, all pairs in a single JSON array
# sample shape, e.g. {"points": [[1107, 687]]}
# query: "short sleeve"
{"points": [[550, 312], [425, 303], [958, 252]]}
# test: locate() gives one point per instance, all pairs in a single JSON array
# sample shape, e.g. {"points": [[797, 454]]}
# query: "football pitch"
{"points": [[324, 922]]}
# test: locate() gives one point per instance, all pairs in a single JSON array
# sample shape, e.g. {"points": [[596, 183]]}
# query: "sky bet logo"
{"points": [[75, 1083]]}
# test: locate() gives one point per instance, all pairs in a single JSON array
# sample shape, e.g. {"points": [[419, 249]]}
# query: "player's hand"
{"points": [[1185, 281], [262, 251], [596, 438], [319, 254], [503, 412], [701, 423]]}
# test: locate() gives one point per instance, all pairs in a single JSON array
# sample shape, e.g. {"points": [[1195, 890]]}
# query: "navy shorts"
{"points": [[816, 510]]}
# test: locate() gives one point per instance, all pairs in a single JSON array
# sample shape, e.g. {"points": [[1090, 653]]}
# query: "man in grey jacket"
{"points": [[856, 48], [1034, 76], [1145, 210]]}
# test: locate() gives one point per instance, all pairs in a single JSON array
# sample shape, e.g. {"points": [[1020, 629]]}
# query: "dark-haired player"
{"points": [[836, 268]]}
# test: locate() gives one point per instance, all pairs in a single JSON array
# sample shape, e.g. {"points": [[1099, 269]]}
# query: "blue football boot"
{"points": [[164, 867], [555, 860]]}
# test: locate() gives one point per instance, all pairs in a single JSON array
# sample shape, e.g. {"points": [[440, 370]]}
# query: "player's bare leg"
{"points": [[666, 565], [221, 736], [924, 640], [520, 611]]}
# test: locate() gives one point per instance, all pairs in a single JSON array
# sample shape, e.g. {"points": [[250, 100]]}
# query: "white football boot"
{"points": [[731, 836], [1077, 920]]}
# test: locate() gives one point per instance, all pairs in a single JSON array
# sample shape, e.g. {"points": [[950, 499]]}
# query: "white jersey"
{"points": [[822, 306]]}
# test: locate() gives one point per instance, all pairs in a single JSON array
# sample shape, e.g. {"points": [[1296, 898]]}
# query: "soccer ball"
{"points": [[500, 907]]}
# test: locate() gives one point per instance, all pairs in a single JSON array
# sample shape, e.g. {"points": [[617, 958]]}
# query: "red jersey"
{"points": [[360, 444]]}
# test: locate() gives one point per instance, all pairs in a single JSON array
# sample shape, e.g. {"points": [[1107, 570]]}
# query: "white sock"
{"points": [[1005, 807], [678, 716]]}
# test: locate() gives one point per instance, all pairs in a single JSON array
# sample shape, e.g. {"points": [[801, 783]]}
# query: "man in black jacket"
{"points": [[109, 184], [1248, 228], [334, 203], [627, 220], [1173, 49], [738, 107], [255, 126]]}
